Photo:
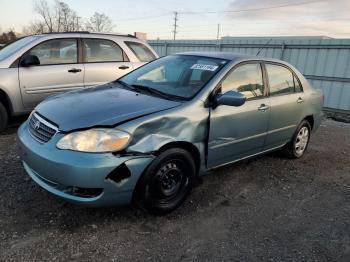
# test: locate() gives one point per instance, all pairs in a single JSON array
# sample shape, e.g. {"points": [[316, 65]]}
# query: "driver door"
{"points": [[238, 132], [59, 71]]}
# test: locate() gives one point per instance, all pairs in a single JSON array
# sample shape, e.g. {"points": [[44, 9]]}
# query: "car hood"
{"points": [[106, 105]]}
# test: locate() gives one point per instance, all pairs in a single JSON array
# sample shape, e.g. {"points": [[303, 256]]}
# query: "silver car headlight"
{"points": [[99, 140]]}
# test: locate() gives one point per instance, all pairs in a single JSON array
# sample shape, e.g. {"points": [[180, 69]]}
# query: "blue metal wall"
{"points": [[325, 62]]}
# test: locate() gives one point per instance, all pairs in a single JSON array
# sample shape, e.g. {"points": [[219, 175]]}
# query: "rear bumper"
{"points": [[317, 120], [81, 178]]}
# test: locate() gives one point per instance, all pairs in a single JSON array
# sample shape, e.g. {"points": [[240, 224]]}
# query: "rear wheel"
{"points": [[298, 145], [166, 182], [3, 117]]}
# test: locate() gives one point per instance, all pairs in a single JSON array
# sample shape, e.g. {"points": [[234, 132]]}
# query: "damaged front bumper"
{"points": [[87, 179]]}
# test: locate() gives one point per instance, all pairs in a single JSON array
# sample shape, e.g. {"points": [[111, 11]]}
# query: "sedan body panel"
{"points": [[58, 171], [285, 115], [82, 109], [236, 132]]}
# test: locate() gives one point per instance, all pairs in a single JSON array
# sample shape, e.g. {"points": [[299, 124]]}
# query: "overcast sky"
{"points": [[199, 18]]}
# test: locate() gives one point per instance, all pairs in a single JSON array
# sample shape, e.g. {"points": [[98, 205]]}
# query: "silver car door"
{"points": [[104, 61], [58, 71]]}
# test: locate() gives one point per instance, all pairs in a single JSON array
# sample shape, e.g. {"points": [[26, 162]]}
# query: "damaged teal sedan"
{"points": [[146, 136]]}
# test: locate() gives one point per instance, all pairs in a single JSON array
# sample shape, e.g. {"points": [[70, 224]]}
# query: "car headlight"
{"points": [[99, 140]]}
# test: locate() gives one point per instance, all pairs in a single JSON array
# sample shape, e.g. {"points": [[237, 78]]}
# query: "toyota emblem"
{"points": [[36, 125]]}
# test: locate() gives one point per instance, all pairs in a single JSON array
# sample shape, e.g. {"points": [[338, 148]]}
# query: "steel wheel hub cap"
{"points": [[170, 178]]}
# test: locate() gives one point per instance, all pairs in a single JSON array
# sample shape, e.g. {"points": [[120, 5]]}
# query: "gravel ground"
{"points": [[267, 208]]}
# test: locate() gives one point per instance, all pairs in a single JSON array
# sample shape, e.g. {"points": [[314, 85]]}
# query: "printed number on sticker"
{"points": [[204, 67]]}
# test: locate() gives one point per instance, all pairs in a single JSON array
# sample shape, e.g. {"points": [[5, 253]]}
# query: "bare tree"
{"points": [[99, 23], [59, 17], [35, 27], [44, 10], [66, 18]]}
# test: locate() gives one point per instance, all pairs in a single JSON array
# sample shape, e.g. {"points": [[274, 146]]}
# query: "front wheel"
{"points": [[166, 182], [3, 117], [298, 145]]}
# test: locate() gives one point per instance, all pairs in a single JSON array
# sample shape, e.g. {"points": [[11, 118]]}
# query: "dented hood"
{"points": [[106, 105]]}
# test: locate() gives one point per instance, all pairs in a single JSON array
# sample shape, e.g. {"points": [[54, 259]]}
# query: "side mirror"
{"points": [[231, 98], [30, 60]]}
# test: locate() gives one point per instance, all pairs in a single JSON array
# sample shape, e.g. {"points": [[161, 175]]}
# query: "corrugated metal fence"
{"points": [[325, 62]]}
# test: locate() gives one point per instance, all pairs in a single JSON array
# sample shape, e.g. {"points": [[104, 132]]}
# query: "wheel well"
{"points": [[5, 101], [310, 119], [193, 150]]}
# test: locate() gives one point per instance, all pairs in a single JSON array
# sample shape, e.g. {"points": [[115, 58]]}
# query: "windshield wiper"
{"points": [[154, 91], [125, 85]]}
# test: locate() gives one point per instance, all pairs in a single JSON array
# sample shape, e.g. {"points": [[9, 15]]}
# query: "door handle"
{"points": [[123, 67], [300, 100], [263, 107], [74, 70]]}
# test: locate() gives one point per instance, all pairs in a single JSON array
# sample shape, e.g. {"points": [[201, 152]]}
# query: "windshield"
{"points": [[180, 76], [15, 46]]}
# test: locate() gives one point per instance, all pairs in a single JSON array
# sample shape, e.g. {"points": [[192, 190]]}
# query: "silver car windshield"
{"points": [[12, 48], [181, 76]]}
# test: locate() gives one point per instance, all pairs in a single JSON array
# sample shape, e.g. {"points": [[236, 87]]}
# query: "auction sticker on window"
{"points": [[204, 67]]}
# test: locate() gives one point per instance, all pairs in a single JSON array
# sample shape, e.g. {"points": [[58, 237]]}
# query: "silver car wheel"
{"points": [[301, 141]]}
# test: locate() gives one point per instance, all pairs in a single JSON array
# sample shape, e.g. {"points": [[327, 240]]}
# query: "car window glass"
{"points": [[297, 85], [58, 51], [10, 49], [246, 79], [179, 75], [141, 51], [280, 79], [101, 50]]}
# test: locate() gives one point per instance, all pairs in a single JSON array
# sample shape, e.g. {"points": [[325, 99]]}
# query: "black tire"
{"points": [[291, 150], [3, 117], [166, 182]]}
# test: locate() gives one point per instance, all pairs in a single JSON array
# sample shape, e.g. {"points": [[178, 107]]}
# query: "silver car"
{"points": [[37, 66]]}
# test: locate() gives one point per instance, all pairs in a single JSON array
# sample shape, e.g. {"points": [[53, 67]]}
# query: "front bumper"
{"points": [[81, 178]]}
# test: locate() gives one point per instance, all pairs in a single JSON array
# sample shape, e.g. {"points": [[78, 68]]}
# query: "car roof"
{"points": [[220, 55], [86, 33], [235, 57]]}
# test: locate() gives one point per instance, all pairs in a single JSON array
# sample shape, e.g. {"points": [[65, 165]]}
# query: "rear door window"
{"points": [[102, 50], [281, 80], [142, 52]]}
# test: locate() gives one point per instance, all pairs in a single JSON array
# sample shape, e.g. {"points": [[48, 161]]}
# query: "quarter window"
{"points": [[101, 50], [281, 80], [297, 85], [246, 79], [58, 51], [141, 51]]}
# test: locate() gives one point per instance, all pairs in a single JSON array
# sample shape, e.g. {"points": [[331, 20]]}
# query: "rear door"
{"points": [[286, 101], [59, 71], [237, 132], [104, 61]]}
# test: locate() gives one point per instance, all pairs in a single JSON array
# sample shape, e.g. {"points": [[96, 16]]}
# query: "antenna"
{"points": [[261, 48], [175, 24]]}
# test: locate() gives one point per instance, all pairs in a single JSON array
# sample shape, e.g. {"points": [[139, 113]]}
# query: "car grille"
{"points": [[40, 129]]}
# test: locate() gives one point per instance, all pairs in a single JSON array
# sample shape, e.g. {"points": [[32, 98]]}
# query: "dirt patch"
{"points": [[266, 208]]}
